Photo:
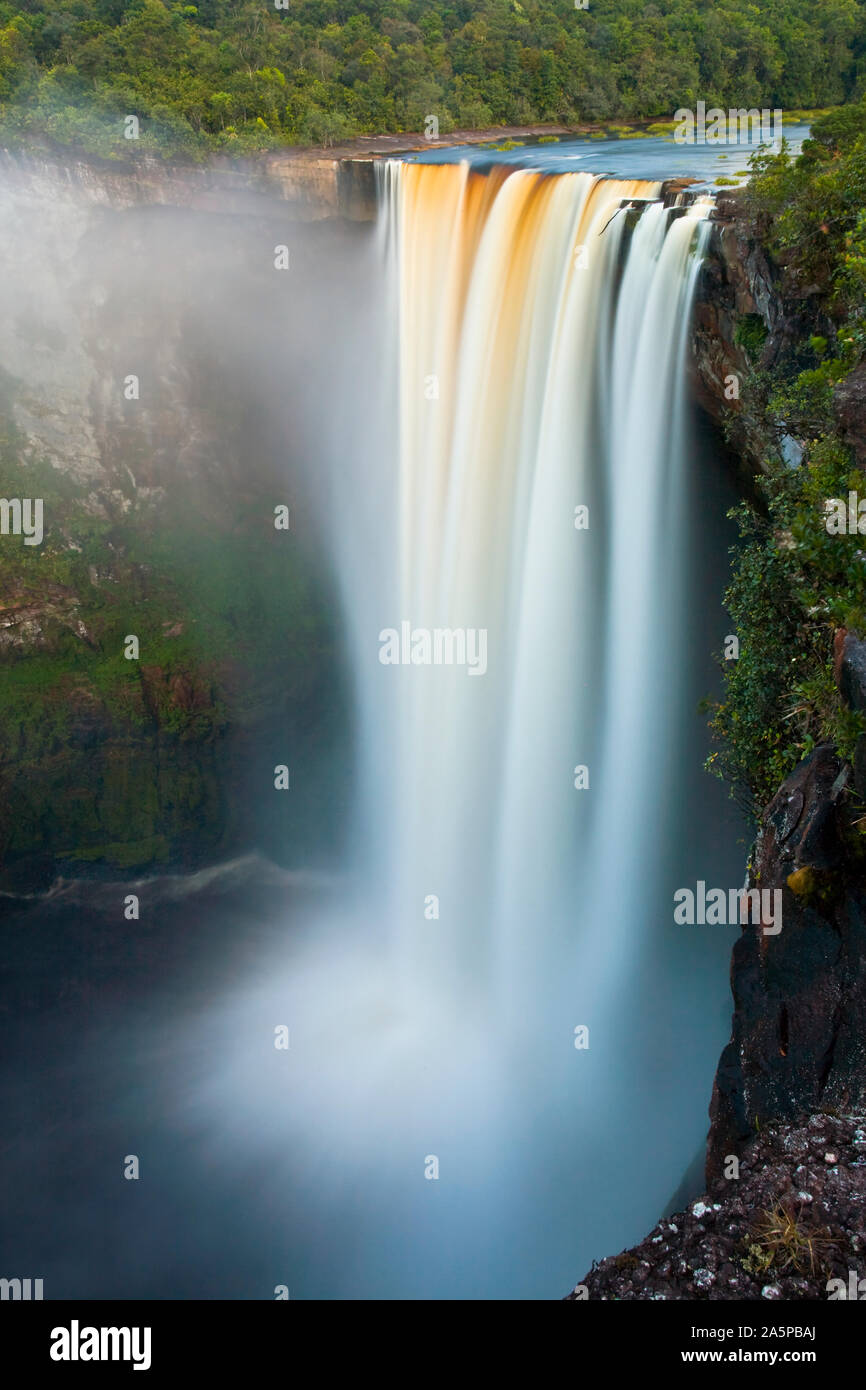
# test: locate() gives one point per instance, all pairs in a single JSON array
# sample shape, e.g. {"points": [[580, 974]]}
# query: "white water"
{"points": [[556, 384], [560, 384]]}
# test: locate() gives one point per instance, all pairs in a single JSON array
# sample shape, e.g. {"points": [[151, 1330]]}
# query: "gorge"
{"points": [[562, 380]]}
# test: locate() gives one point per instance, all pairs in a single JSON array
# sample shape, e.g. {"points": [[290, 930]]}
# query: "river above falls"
{"points": [[630, 157]]}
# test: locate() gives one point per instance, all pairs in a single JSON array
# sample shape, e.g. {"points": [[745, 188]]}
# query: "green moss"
{"points": [[115, 761], [128, 854], [802, 882], [750, 332]]}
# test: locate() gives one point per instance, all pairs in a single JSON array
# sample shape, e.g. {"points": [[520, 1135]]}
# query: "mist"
{"points": [[330, 1086]]}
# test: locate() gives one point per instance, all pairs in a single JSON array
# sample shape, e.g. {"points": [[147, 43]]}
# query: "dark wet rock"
{"points": [[735, 282], [799, 1020], [789, 1222], [849, 665]]}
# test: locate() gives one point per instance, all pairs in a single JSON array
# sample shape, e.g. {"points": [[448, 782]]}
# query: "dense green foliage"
{"points": [[795, 583], [242, 74]]}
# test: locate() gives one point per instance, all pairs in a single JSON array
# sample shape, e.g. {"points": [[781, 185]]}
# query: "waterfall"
{"points": [[532, 367], [376, 1073], [539, 327]]}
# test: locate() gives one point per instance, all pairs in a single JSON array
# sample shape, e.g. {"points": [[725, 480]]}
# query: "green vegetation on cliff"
{"points": [[797, 583], [146, 757], [240, 75]]}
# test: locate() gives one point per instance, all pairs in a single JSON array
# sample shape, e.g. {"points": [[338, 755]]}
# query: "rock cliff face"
{"points": [[313, 187], [747, 317], [799, 996], [799, 1030], [735, 282], [153, 378]]}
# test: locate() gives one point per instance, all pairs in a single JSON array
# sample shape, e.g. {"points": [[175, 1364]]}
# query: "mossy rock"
{"points": [[127, 854], [750, 331], [802, 882]]}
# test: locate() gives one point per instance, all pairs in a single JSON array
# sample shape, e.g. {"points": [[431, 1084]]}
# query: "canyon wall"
{"points": [[799, 997], [745, 320], [154, 376], [313, 187]]}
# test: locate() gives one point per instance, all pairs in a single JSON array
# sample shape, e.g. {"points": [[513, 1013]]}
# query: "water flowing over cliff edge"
{"points": [[519, 798], [544, 807]]}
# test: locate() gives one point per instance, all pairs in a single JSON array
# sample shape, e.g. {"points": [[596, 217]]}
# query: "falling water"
{"points": [[537, 328], [535, 332], [540, 326]]}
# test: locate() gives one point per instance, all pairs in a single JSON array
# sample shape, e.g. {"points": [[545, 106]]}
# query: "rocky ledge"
{"points": [[789, 1219]]}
